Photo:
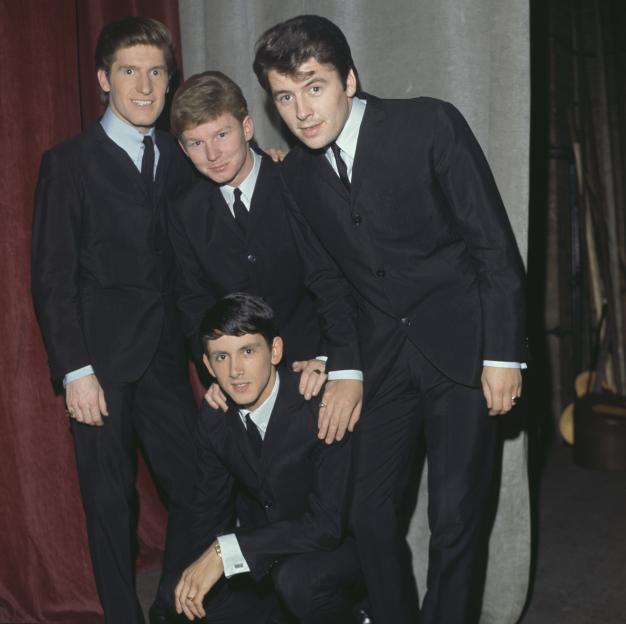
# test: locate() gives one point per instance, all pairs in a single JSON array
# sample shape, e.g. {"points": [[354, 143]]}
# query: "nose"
{"points": [[235, 368], [212, 152], [144, 84], [303, 110]]}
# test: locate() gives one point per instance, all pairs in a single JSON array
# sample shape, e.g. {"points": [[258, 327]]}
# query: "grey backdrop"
{"points": [[474, 53]]}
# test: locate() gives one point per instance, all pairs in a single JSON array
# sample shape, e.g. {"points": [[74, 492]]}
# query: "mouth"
{"points": [[142, 103], [309, 131], [240, 388], [218, 168]]}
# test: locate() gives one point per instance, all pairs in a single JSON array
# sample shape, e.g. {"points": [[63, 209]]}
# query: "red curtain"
{"points": [[49, 92]]}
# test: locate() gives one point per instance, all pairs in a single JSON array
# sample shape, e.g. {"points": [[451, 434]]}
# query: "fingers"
{"points": [[215, 398], [188, 599], [340, 407], [501, 387], [312, 377], [354, 418], [85, 401]]}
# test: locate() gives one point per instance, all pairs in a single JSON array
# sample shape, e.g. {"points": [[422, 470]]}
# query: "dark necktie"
{"points": [[341, 165], [241, 214], [254, 436], [147, 162]]}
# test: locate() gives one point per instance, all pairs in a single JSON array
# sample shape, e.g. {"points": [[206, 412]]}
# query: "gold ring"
{"points": [[317, 371], [514, 398], [322, 404]]}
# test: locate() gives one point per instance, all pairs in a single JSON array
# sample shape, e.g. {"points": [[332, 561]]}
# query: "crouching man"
{"points": [[261, 463]]}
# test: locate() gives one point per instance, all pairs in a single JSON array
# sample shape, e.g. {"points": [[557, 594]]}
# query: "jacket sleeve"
{"points": [[466, 180], [321, 527], [192, 295], [55, 263], [334, 300], [213, 509]]}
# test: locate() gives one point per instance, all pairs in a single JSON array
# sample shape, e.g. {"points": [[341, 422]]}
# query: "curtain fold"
{"points": [[49, 93]]}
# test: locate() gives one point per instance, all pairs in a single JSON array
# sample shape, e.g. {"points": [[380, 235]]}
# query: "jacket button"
{"points": [[380, 273], [251, 258], [267, 505], [356, 219], [406, 321]]}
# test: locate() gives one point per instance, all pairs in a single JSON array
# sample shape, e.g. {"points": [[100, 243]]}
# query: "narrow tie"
{"points": [[254, 436], [241, 213], [147, 162], [341, 165]]}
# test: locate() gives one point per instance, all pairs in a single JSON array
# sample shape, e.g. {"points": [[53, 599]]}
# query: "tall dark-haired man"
{"points": [[102, 280], [399, 196], [263, 464], [231, 232]]}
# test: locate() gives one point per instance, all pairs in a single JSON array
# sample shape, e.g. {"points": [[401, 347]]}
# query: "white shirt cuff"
{"points": [[345, 374], [498, 364], [322, 358], [232, 557], [77, 374]]}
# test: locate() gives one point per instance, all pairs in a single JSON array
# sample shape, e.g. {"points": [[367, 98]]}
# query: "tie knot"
{"points": [[147, 141], [237, 194], [336, 150]]}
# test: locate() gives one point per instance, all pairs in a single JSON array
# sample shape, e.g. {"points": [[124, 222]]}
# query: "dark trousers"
{"points": [[311, 588], [159, 411], [460, 441]]}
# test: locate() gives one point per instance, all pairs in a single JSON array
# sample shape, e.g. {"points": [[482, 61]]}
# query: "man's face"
{"points": [[219, 148], [244, 366], [313, 103], [136, 84]]}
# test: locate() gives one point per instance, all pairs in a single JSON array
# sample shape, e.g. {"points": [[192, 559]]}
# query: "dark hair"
{"points": [[132, 31], [287, 45], [204, 97], [238, 314]]}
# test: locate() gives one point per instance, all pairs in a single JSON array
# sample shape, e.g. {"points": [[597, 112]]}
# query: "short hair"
{"points": [[204, 97], [287, 45], [238, 314], [132, 31]]}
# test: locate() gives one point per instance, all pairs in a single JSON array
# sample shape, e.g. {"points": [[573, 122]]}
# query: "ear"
{"points": [[103, 80], [277, 350], [205, 359], [248, 127], [351, 83]]}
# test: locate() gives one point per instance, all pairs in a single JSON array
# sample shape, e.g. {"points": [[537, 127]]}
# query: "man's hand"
{"points": [[85, 400], [340, 409], [216, 398], [196, 582], [501, 387], [277, 155], [312, 378]]}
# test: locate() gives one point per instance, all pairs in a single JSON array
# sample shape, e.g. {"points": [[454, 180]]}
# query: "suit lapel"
{"points": [[119, 158], [240, 436], [262, 195], [368, 144], [165, 157], [326, 174], [281, 421], [222, 211]]}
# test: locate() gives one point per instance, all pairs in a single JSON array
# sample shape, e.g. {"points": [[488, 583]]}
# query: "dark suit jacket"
{"points": [[293, 500], [102, 267], [215, 258], [423, 240]]}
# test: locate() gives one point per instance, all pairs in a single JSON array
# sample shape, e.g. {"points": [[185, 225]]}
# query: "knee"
{"points": [[296, 587]]}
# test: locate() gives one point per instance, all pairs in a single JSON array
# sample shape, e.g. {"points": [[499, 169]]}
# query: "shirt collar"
{"points": [[349, 135], [124, 135], [247, 186], [261, 415]]}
